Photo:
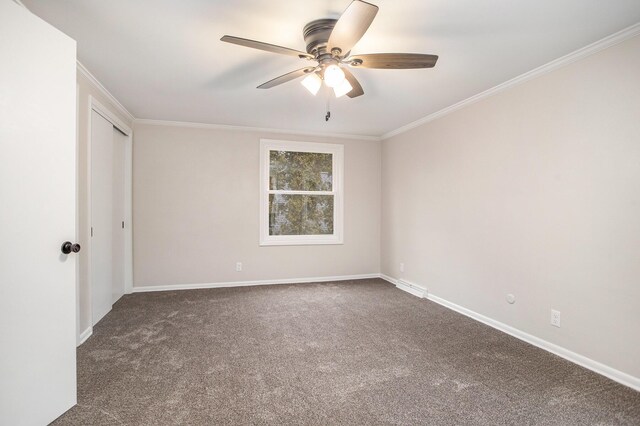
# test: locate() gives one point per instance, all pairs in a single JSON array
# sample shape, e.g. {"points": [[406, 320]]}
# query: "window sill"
{"points": [[303, 241]]}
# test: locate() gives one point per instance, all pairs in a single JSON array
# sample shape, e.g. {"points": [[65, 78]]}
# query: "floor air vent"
{"points": [[414, 289]]}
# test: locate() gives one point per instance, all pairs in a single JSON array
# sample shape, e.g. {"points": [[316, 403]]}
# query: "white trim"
{"points": [[89, 212], [94, 81], [595, 366], [252, 129], [144, 289], [128, 216], [84, 336], [612, 373], [78, 212], [411, 288], [388, 279], [407, 286], [576, 55], [98, 107], [337, 152]]}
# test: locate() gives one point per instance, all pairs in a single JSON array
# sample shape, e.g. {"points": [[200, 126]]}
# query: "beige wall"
{"points": [[536, 192], [196, 210], [86, 89]]}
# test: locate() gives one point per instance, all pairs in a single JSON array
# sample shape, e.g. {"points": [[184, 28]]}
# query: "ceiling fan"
{"points": [[329, 44]]}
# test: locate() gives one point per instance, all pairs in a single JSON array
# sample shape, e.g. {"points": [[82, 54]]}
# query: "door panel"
{"points": [[101, 216], [37, 214], [119, 145]]}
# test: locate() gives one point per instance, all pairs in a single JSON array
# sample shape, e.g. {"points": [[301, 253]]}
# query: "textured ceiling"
{"points": [[162, 59]]}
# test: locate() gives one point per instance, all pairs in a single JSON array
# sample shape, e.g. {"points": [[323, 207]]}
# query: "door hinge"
{"points": [[92, 231], [123, 224]]}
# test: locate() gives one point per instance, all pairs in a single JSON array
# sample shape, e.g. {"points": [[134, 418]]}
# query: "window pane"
{"points": [[300, 214], [300, 171]]}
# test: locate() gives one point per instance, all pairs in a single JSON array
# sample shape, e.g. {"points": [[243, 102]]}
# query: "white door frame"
{"points": [[95, 105], [78, 212]]}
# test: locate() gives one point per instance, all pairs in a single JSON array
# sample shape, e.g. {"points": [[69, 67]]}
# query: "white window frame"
{"points": [[267, 145]]}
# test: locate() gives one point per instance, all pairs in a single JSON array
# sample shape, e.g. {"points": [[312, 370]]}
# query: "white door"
{"points": [[101, 216], [37, 214], [119, 152]]}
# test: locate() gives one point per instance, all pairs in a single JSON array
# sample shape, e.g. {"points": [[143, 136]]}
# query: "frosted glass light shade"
{"points": [[312, 83], [333, 76], [343, 88]]}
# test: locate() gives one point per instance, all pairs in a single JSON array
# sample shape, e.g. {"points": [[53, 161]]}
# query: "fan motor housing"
{"points": [[316, 34]]}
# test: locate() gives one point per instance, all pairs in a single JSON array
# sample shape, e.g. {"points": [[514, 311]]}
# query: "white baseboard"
{"points": [[142, 289], [605, 370], [618, 376], [411, 288], [404, 285], [388, 279], [416, 290], [84, 336]]}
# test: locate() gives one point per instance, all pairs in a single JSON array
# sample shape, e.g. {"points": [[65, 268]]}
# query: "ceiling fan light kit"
{"points": [[329, 43], [333, 76], [312, 83], [343, 88]]}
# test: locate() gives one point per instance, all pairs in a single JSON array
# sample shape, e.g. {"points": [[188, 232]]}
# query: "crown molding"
{"points": [[251, 129], [103, 90], [574, 56], [96, 83]]}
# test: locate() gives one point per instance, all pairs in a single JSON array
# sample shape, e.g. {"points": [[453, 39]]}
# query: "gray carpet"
{"points": [[354, 352]]}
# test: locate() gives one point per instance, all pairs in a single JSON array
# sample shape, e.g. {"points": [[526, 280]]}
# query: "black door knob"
{"points": [[67, 247]]}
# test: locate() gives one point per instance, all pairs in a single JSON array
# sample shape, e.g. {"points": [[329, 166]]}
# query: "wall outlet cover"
{"points": [[555, 318]]}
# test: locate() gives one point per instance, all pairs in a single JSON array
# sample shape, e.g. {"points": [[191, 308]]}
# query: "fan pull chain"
{"points": [[328, 116]]}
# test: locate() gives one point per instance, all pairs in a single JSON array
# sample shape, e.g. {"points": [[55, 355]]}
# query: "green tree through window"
{"points": [[300, 214]]}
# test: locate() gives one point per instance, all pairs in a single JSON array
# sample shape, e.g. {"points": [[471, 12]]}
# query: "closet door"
{"points": [[101, 216], [119, 147]]}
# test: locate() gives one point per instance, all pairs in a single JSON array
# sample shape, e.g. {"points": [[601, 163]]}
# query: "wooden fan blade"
{"points": [[286, 77], [265, 46], [351, 26], [357, 88], [393, 60]]}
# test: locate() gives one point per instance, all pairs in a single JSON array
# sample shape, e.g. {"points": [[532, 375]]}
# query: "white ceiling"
{"points": [[162, 59]]}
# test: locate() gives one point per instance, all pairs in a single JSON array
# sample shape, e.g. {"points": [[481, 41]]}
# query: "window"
{"points": [[300, 193]]}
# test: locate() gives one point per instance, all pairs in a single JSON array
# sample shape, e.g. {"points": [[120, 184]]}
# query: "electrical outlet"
{"points": [[238, 266], [555, 318], [401, 267]]}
